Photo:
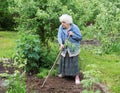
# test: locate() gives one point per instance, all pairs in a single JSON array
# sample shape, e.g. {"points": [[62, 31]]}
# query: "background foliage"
{"points": [[96, 19]]}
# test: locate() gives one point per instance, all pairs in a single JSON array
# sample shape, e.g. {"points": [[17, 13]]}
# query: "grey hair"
{"points": [[66, 18]]}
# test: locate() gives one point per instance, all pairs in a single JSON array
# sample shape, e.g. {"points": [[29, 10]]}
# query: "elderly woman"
{"points": [[70, 47]]}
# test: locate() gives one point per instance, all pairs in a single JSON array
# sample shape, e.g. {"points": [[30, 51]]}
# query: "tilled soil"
{"points": [[55, 85]]}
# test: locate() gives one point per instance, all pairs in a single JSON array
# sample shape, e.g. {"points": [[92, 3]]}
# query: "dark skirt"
{"points": [[68, 66]]}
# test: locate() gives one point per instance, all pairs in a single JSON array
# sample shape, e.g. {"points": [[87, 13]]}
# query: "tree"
{"points": [[6, 19]]}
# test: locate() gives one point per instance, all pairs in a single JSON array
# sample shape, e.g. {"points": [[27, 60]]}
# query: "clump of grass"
{"points": [[43, 73]]}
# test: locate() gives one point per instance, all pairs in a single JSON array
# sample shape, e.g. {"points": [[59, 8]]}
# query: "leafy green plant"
{"points": [[28, 47], [89, 80], [91, 77], [36, 55], [15, 83]]}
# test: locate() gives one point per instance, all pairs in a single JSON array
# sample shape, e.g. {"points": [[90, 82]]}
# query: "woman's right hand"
{"points": [[61, 46]]}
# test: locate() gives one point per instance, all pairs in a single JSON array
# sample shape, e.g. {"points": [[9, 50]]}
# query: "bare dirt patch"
{"points": [[56, 85]]}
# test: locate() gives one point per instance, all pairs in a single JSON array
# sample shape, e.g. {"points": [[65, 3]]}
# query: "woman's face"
{"points": [[64, 24]]}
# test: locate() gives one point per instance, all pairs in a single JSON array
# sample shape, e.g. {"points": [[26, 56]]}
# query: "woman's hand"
{"points": [[61, 46], [70, 33]]}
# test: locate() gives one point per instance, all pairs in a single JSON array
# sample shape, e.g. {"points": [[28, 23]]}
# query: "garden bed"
{"points": [[56, 85]]}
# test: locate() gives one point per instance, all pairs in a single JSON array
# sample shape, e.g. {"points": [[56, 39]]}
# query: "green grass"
{"points": [[7, 43], [107, 65]]}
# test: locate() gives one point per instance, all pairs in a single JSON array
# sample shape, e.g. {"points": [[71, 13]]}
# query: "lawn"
{"points": [[7, 43], [107, 65]]}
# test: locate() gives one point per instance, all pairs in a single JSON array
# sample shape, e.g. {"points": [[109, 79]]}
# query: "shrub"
{"points": [[28, 47]]}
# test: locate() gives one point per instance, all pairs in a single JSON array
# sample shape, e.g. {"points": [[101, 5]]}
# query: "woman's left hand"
{"points": [[70, 33]]}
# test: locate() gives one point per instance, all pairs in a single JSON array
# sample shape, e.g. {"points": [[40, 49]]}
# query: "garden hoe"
{"points": [[55, 62]]}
